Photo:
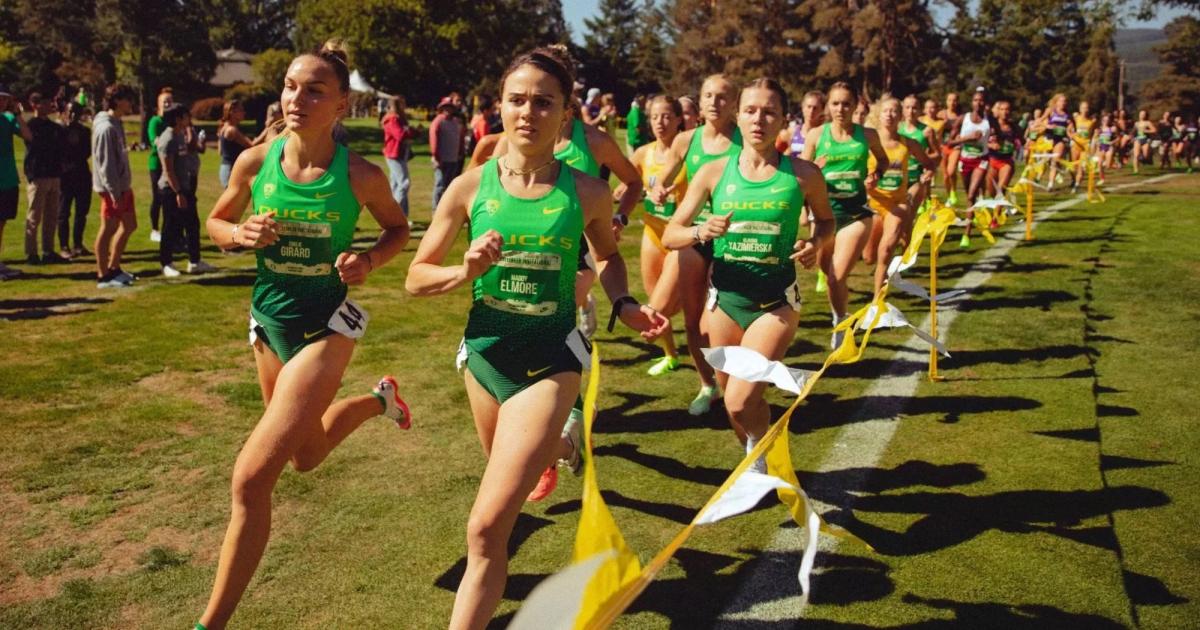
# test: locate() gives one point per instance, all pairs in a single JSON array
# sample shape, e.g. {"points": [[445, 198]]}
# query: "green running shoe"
{"points": [[663, 365], [964, 242], [703, 401], [952, 200], [822, 285]]}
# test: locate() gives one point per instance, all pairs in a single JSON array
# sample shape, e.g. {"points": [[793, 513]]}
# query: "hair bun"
{"points": [[335, 48]]}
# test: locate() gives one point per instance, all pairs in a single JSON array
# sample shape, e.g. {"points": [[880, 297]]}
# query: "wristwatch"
{"points": [[623, 219]]}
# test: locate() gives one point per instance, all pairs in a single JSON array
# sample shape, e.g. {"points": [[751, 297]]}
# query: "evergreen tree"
{"points": [[609, 48], [1178, 88], [650, 67], [1099, 73]]}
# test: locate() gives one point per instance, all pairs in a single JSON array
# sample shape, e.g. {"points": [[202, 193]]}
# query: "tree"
{"points": [[251, 26], [609, 45], [1178, 88], [650, 70], [270, 67], [1099, 73], [424, 48]]}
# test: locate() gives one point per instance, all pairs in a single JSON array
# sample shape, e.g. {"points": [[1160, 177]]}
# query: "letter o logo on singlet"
{"points": [[268, 190], [492, 205], [730, 189]]}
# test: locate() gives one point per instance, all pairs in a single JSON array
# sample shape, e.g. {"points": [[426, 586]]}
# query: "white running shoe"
{"points": [[703, 401], [155, 236], [125, 278], [200, 267], [394, 406], [170, 272], [760, 464], [587, 318], [573, 432]]}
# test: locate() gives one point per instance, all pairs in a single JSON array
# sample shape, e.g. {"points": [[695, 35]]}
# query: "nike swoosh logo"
{"points": [[572, 162], [312, 334], [551, 210], [533, 373], [768, 305], [324, 195], [778, 189]]}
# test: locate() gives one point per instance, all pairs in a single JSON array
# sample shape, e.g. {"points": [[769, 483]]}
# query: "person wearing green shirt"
{"points": [[636, 128], [155, 127], [10, 183]]}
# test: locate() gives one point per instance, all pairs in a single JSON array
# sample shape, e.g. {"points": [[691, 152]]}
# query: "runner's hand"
{"points": [[353, 267], [872, 179], [644, 319], [805, 253], [258, 231], [714, 227], [659, 194], [482, 254]]}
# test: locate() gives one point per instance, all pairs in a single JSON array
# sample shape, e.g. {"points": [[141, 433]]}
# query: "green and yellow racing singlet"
{"points": [[297, 281], [577, 154], [696, 158], [752, 258], [916, 133], [526, 300], [845, 172]]}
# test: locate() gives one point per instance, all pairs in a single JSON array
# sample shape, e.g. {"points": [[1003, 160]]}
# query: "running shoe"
{"points": [[124, 277], [155, 236], [545, 485], [170, 272], [573, 433], [822, 283], [952, 200], [200, 267], [662, 366], [964, 242], [760, 464], [703, 401], [836, 338], [587, 318], [394, 407]]}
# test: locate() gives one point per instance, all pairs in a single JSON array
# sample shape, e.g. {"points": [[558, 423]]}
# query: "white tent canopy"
{"points": [[359, 84]]}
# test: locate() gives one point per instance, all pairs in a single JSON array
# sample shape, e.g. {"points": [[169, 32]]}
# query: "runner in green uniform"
{"points": [[305, 194], [918, 190], [757, 196], [717, 138], [525, 210], [586, 148], [840, 148]]}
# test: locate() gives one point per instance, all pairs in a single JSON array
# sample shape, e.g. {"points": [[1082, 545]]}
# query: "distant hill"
{"points": [[1135, 46]]}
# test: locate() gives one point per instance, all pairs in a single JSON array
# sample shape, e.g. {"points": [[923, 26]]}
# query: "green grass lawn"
{"points": [[1051, 481]]}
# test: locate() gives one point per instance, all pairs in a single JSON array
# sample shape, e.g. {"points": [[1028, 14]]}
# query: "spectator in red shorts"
{"points": [[112, 180]]}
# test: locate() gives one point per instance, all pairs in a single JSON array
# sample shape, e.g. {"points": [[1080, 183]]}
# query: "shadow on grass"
{"points": [[228, 279], [873, 367], [679, 513], [42, 308], [1029, 299], [518, 585], [947, 519]]}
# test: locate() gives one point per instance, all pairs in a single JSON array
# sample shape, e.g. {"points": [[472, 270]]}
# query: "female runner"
{"points": [[840, 149], [1002, 149], [970, 135], [306, 194], [889, 198], [719, 137], [1106, 143], [918, 187], [525, 212], [660, 267], [1143, 131], [757, 196], [1081, 142], [1060, 127], [951, 153], [691, 113]]}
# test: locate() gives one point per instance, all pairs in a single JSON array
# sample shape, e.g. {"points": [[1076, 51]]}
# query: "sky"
{"points": [[576, 10]]}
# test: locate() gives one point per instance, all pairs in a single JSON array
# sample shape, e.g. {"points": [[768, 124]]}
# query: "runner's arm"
{"points": [[609, 154], [426, 275], [372, 189], [680, 232], [918, 152], [810, 144], [259, 229], [675, 161], [881, 157], [816, 198]]}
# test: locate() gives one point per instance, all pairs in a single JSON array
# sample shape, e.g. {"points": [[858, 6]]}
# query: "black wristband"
{"points": [[623, 219], [616, 309]]}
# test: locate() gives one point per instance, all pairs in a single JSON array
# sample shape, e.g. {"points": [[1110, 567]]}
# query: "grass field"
{"points": [[1050, 481]]}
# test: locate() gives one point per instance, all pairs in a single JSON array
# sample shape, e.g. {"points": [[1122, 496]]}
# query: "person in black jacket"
{"points": [[76, 183], [43, 170]]}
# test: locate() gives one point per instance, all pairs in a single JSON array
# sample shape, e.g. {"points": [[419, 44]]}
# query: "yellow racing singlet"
{"points": [[656, 216], [892, 188], [1083, 130]]}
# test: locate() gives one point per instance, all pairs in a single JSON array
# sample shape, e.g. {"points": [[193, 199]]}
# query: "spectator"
{"points": [[272, 126], [591, 107], [397, 149], [154, 127], [637, 131], [76, 183], [10, 124], [230, 139], [445, 148], [484, 121], [111, 178], [606, 121], [178, 150], [43, 172]]}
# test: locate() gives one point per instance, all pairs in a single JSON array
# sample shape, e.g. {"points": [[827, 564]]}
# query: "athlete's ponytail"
{"points": [[553, 60], [765, 83]]}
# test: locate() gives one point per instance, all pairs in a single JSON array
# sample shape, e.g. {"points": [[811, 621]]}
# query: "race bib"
{"points": [[349, 319], [523, 283]]}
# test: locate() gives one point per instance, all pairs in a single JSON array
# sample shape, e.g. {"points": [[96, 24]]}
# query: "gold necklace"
{"points": [[522, 173]]}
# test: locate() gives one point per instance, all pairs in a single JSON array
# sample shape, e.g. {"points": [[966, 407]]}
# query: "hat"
{"points": [[593, 93], [4, 90], [445, 102]]}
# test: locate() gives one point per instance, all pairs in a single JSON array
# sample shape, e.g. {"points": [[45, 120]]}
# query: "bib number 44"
{"points": [[349, 319]]}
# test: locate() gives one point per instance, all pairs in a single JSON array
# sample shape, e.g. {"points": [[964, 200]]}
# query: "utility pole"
{"points": [[1120, 84]]}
